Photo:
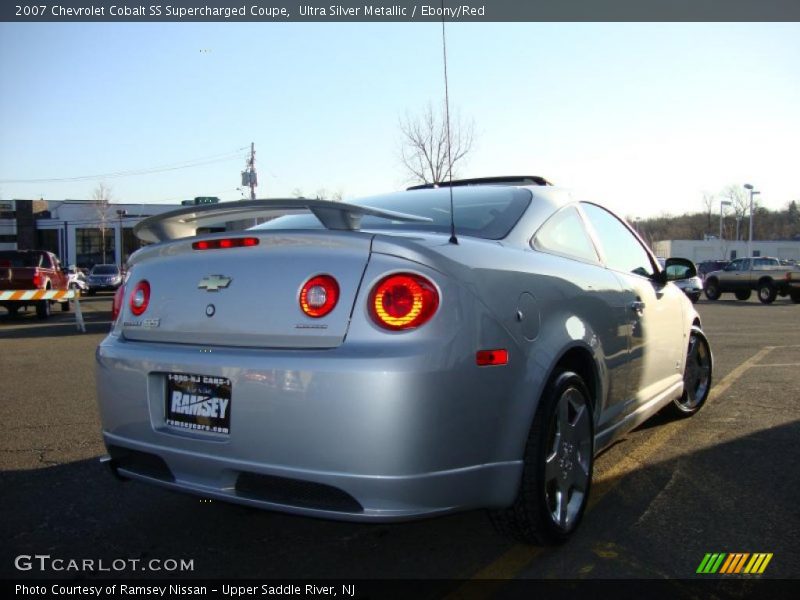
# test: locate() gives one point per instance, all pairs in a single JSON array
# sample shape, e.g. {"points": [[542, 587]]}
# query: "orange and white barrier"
{"points": [[23, 295]]}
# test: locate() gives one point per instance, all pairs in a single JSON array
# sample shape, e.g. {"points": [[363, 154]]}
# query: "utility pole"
{"points": [[249, 177]]}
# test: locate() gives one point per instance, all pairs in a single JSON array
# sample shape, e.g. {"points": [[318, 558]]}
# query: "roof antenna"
{"points": [[453, 238]]}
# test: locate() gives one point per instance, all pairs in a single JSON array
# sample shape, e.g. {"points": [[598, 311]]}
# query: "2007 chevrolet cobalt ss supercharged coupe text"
{"points": [[355, 361]]}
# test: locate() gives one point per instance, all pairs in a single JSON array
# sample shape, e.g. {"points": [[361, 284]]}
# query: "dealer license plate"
{"points": [[198, 402]]}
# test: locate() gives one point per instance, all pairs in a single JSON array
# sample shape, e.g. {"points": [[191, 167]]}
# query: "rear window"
{"points": [[105, 270], [480, 211], [21, 259]]}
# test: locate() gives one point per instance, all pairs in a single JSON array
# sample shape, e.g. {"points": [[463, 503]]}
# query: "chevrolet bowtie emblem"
{"points": [[214, 283]]}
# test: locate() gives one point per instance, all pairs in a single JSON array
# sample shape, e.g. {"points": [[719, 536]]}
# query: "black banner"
{"points": [[675, 589], [401, 10]]}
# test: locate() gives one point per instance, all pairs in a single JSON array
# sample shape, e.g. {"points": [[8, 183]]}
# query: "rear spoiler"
{"points": [[184, 222]]}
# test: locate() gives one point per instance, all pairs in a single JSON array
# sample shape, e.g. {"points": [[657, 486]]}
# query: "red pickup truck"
{"points": [[31, 270]]}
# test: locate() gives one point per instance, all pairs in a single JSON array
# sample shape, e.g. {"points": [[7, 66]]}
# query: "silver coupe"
{"points": [[452, 347]]}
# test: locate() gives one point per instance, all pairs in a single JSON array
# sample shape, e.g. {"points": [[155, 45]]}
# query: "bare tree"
{"points": [[708, 204], [740, 202], [102, 198], [424, 144]]}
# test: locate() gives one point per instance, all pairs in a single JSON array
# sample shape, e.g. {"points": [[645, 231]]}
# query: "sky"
{"points": [[642, 117]]}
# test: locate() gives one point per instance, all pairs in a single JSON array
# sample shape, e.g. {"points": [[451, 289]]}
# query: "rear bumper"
{"points": [[349, 433]]}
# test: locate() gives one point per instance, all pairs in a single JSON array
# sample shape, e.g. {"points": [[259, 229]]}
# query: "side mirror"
{"points": [[679, 268]]}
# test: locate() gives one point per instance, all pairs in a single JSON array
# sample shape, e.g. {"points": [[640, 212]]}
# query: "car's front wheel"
{"points": [[557, 473], [712, 290], [696, 376]]}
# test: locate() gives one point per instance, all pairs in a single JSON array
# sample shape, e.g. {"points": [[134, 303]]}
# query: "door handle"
{"points": [[638, 306]]}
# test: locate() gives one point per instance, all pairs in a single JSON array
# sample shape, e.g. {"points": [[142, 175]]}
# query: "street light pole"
{"points": [[753, 192], [721, 250]]}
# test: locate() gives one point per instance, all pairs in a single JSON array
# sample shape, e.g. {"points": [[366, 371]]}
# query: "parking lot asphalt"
{"points": [[725, 480]]}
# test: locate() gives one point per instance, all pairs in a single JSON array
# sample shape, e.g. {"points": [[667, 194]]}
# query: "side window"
{"points": [[45, 261], [622, 250], [565, 234]]}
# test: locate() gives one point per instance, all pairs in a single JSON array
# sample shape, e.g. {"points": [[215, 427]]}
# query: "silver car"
{"points": [[378, 361]]}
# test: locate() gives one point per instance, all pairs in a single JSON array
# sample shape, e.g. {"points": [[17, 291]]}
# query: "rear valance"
{"points": [[184, 222]]}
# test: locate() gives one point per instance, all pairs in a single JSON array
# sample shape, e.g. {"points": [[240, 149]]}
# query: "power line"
{"points": [[198, 162]]}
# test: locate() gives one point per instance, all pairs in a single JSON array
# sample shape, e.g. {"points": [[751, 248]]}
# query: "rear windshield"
{"points": [[105, 270], [484, 212], [20, 259]]}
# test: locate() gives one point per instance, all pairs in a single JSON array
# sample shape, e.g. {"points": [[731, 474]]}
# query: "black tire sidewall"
{"points": [[537, 450], [712, 290], [769, 298]]}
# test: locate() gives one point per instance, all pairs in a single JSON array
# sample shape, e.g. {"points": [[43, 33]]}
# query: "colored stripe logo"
{"points": [[735, 563]]}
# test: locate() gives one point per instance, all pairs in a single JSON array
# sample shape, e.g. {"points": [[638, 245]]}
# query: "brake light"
{"points": [[116, 305], [140, 297], [245, 242], [319, 296], [403, 301], [38, 280]]}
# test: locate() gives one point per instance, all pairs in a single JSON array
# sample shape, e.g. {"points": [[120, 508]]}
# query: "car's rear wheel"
{"points": [[743, 294], [43, 309], [795, 296], [696, 376], [767, 292], [712, 290], [65, 306], [557, 473]]}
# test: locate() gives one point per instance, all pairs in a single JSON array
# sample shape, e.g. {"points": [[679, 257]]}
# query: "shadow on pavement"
{"points": [[656, 522]]}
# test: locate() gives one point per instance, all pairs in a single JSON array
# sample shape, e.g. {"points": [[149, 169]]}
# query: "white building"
{"points": [[700, 250], [78, 231]]}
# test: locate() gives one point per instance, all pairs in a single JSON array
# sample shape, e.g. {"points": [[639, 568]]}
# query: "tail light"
{"points": [[38, 280], [140, 297], [319, 296], [116, 306], [403, 301]]}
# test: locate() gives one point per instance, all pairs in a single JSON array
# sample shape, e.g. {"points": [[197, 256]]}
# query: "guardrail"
{"points": [[68, 295]]}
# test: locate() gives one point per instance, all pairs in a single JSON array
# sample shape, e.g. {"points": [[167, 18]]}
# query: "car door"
{"points": [[656, 335]]}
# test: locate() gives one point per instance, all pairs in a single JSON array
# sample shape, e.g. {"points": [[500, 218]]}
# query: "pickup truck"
{"points": [[767, 276], [31, 270]]}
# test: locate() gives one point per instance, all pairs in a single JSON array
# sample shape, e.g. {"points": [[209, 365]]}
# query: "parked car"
{"points": [[767, 276], [76, 280], [684, 275], [29, 271], [104, 278], [707, 266], [378, 361]]}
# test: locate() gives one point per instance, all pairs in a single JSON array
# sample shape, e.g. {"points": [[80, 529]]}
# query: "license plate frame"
{"points": [[200, 403]]}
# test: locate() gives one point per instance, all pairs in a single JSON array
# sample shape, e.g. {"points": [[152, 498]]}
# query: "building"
{"points": [[716, 249], [79, 232]]}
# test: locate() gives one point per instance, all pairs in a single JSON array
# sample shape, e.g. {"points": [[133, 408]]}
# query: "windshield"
{"points": [[105, 270], [484, 212]]}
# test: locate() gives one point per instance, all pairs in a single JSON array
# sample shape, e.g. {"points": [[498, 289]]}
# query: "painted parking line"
{"points": [[509, 564]]}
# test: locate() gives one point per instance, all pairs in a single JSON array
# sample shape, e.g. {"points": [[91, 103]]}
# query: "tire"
{"points": [[91, 292], [557, 471], [12, 310], [743, 294], [696, 376], [795, 296], [694, 298], [712, 290], [767, 292], [43, 309], [65, 306]]}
